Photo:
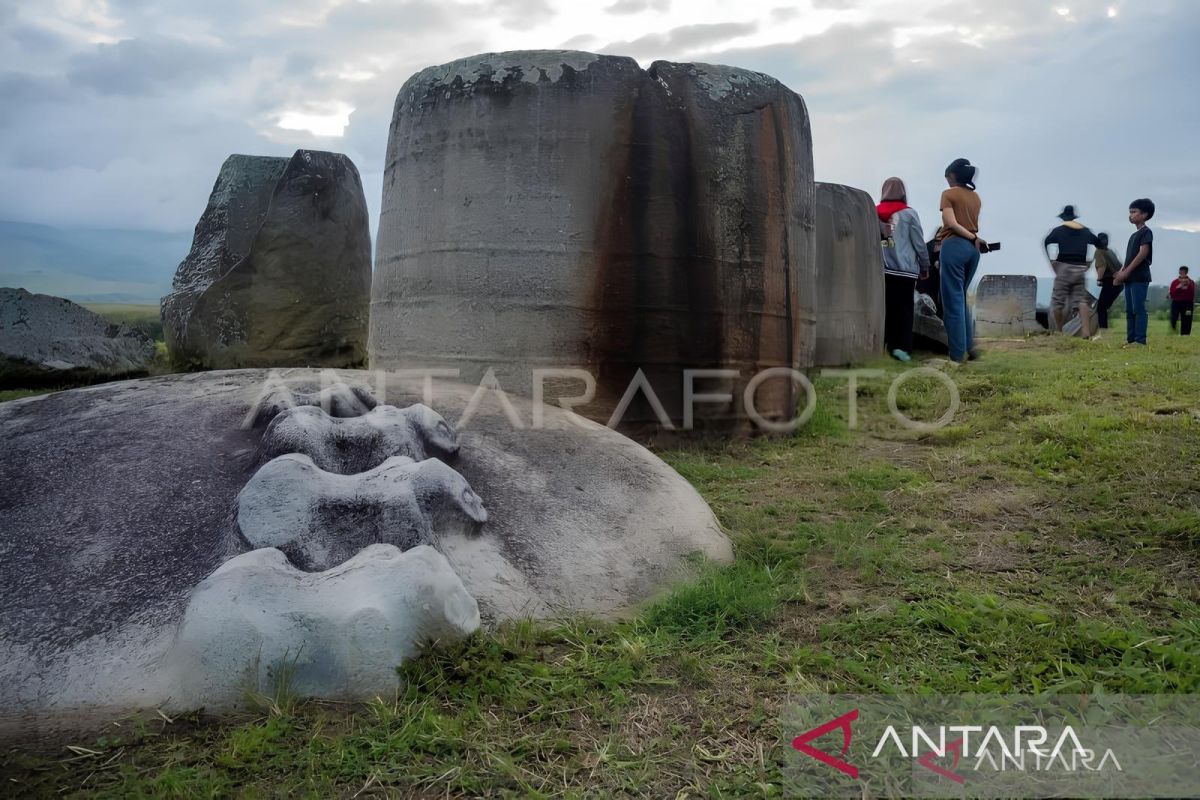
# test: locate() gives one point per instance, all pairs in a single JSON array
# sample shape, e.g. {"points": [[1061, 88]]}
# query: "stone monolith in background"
{"points": [[1006, 305], [280, 268], [850, 297]]}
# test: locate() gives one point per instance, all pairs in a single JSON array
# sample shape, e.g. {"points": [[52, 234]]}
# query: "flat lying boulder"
{"points": [[850, 296], [46, 340], [279, 273], [1006, 305], [121, 499]]}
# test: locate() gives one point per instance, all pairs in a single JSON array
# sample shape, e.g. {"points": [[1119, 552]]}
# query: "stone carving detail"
{"points": [[258, 624], [339, 399], [357, 444], [320, 519]]}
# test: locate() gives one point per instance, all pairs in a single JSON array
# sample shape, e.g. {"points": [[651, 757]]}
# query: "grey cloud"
{"points": [[35, 39], [681, 39], [21, 92], [583, 41], [522, 15], [638, 6], [147, 66], [396, 18]]}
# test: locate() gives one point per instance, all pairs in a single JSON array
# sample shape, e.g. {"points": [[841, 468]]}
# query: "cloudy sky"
{"points": [[118, 113]]}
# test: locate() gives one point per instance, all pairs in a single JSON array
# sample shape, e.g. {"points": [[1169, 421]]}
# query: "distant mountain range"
{"points": [[90, 265]]}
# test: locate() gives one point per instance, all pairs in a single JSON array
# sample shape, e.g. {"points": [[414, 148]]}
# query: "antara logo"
{"points": [[801, 743], [992, 746]]}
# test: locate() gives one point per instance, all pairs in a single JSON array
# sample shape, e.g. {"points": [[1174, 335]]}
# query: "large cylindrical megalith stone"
{"points": [[555, 209]]}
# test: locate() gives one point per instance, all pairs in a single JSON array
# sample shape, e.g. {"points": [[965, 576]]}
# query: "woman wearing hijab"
{"points": [[905, 258], [961, 246]]}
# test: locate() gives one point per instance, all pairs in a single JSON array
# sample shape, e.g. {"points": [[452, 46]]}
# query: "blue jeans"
{"points": [[960, 259], [1135, 312]]}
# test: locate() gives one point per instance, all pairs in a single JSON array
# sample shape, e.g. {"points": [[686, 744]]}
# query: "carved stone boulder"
{"points": [[320, 519], [348, 445], [260, 625]]}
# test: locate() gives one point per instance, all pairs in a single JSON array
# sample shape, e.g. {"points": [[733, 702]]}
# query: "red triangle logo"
{"points": [[928, 763], [842, 723]]}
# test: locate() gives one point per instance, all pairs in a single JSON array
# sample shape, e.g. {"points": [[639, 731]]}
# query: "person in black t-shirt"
{"points": [[1070, 267], [1135, 275]]}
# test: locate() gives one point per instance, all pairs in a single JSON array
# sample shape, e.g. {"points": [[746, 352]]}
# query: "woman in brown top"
{"points": [[961, 246]]}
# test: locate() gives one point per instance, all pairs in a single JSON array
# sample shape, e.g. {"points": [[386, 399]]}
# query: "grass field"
{"points": [[1046, 541], [143, 317]]}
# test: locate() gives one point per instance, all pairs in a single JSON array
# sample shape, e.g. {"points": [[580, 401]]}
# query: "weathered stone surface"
{"points": [[357, 444], [119, 499], [336, 398], [850, 290], [47, 339], [1006, 305], [554, 209], [320, 519], [280, 268], [258, 623]]}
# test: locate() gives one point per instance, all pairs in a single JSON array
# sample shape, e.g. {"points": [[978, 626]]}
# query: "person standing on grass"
{"points": [[961, 246], [1070, 265], [905, 259], [1139, 254], [1107, 266], [1183, 302]]}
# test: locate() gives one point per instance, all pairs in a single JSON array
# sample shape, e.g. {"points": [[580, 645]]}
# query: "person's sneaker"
{"points": [[973, 354], [1095, 338], [900, 355], [1128, 345]]}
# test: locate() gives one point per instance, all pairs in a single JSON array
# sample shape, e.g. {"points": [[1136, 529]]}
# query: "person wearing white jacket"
{"points": [[905, 259]]}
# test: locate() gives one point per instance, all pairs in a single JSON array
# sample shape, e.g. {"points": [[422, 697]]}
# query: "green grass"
{"points": [[142, 317], [1046, 541]]}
